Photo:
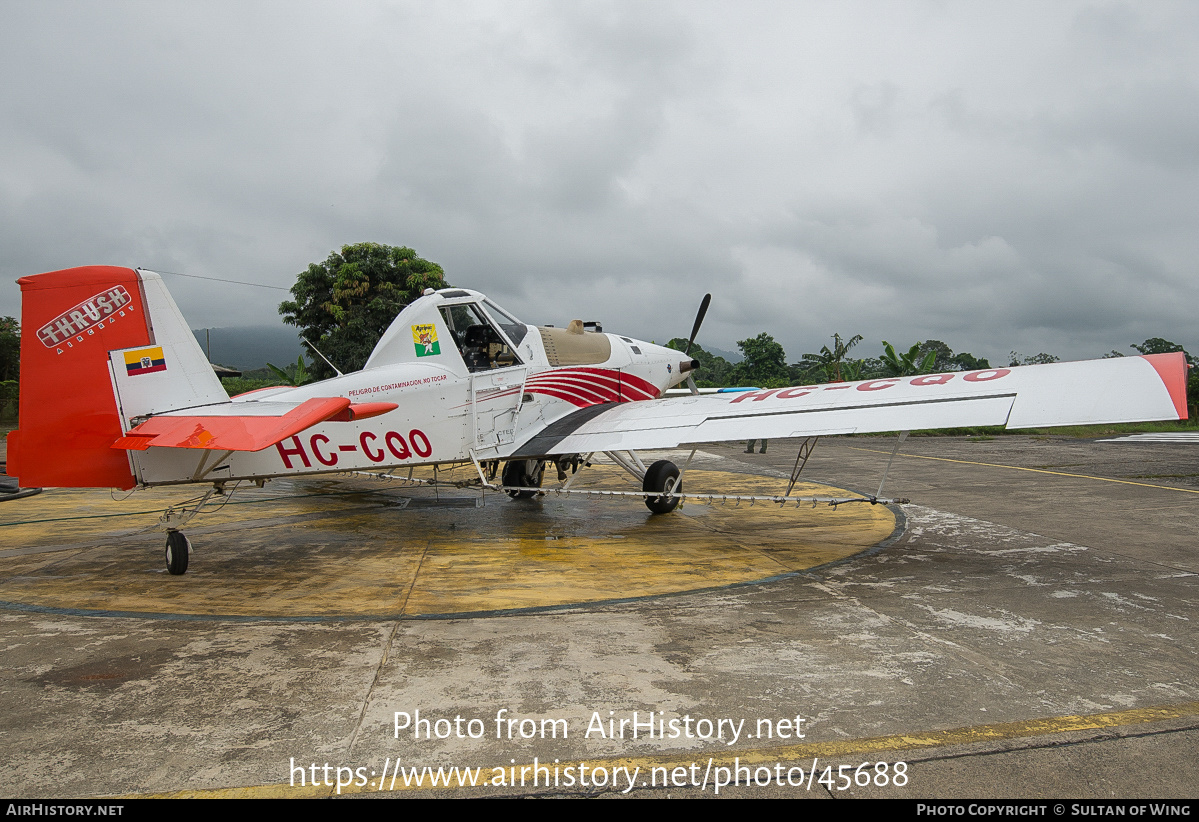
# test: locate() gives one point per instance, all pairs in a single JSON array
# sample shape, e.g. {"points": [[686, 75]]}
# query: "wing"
{"points": [[1127, 389]]}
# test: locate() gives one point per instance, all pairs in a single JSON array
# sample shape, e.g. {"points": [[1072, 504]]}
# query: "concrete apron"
{"points": [[309, 549], [989, 660]]}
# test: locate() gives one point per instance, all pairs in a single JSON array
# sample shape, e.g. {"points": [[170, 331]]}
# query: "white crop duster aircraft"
{"points": [[115, 392]]}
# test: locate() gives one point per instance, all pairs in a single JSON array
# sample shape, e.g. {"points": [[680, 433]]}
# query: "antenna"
{"points": [[322, 356]]}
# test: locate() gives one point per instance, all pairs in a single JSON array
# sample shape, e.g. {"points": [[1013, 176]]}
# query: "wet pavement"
{"points": [[1024, 628]]}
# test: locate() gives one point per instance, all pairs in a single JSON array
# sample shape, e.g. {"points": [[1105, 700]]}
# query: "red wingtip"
{"points": [[1172, 368]]}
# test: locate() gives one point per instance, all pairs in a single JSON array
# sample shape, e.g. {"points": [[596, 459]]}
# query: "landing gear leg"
{"points": [[663, 478], [178, 550], [172, 519]]}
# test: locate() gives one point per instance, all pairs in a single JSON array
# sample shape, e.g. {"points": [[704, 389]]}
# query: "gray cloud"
{"points": [[1017, 176]]}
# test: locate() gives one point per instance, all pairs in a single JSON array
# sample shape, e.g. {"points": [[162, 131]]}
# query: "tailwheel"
{"points": [[178, 549], [662, 477], [527, 473]]}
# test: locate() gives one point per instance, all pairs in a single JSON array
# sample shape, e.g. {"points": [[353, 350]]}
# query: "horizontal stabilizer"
{"points": [[225, 431]]}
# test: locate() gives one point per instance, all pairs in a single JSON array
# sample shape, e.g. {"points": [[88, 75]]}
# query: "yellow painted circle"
{"points": [[364, 548]]}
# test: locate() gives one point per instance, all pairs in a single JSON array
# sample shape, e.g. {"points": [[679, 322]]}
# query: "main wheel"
{"points": [[178, 549], [662, 477], [523, 472]]}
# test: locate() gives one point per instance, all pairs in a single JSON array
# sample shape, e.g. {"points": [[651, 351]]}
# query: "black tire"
{"points": [[663, 475], [517, 472], [178, 550]]}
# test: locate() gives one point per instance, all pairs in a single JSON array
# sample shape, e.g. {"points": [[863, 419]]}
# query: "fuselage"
{"points": [[468, 380]]}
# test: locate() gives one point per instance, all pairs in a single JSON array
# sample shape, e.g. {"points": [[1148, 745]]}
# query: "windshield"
{"points": [[481, 346], [513, 327]]}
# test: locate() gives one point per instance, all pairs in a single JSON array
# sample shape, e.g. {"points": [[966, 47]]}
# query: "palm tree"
{"points": [[294, 374], [830, 361], [906, 365]]}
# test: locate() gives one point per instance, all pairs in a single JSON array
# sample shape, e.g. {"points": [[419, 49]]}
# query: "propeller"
{"points": [[699, 319]]}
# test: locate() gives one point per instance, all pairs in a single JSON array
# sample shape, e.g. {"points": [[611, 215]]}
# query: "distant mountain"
{"points": [[732, 356], [252, 346]]}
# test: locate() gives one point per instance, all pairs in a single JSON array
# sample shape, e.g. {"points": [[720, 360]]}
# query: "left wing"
{"points": [[1126, 389]]}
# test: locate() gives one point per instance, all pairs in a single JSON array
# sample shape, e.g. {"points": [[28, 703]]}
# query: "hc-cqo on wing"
{"points": [[1127, 389]]}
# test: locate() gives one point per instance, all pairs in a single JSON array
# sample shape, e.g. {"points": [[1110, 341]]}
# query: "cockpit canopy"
{"points": [[485, 335]]}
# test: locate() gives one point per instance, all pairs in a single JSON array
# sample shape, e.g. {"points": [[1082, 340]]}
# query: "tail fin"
{"points": [[101, 346]]}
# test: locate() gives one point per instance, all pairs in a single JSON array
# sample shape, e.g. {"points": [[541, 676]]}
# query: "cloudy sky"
{"points": [[995, 175]]}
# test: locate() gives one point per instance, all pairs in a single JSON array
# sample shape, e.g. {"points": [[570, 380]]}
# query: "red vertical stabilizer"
{"points": [[70, 320]]}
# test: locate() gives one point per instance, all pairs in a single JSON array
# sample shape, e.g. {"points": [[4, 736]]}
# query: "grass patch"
{"points": [[1111, 430], [1079, 431]]}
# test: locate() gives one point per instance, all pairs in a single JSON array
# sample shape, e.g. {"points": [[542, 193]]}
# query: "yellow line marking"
{"points": [[1034, 470], [1025, 729]]}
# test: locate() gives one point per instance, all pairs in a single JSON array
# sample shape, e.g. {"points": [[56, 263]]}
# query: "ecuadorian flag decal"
{"points": [[145, 361]]}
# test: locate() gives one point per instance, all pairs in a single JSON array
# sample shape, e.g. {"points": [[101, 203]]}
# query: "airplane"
{"points": [[116, 392]]}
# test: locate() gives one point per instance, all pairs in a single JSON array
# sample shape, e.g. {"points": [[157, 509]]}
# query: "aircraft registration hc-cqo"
{"points": [[115, 392]]}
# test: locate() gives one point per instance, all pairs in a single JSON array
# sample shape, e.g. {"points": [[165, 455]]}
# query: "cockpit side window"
{"points": [[482, 347]]}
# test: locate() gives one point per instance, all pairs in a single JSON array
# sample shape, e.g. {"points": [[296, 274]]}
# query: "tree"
{"points": [[10, 349], [10, 366], [765, 362], [968, 362], [872, 368], [831, 360], [942, 355], [1035, 359], [909, 363], [851, 370], [295, 373], [344, 304]]}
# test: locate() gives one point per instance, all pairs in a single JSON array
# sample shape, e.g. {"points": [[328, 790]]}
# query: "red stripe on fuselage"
{"points": [[573, 399], [617, 385]]}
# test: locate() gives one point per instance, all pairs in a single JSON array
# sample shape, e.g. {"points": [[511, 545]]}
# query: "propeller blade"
{"points": [[699, 319], [691, 384]]}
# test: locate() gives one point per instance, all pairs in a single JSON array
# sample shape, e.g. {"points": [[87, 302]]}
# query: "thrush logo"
{"points": [[424, 338], [80, 319]]}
